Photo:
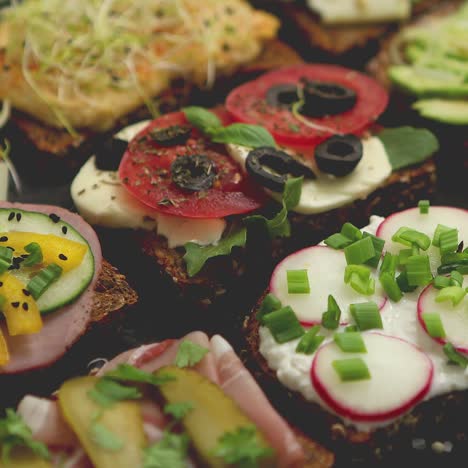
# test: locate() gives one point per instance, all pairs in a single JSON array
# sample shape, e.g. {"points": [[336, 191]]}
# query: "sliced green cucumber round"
{"points": [[70, 284]]}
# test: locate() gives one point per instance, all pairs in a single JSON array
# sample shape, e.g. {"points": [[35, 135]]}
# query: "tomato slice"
{"points": [[247, 103], [145, 173]]}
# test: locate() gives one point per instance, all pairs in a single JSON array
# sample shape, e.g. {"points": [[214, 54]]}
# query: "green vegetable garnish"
{"points": [[189, 354], [366, 315], [170, 451], [128, 373], [434, 325], [269, 304], [350, 370], [178, 410], [360, 251], [107, 392], [298, 282], [283, 325], [350, 342], [310, 341], [423, 206], [418, 270], [105, 438], [331, 317], [35, 254], [454, 356], [6, 257], [454, 294], [40, 282]]}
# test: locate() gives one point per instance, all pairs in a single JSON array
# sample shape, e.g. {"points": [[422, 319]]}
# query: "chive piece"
{"points": [[35, 254], [389, 264], [448, 241], [439, 230], [337, 241], [310, 341], [331, 318], [454, 356], [456, 278], [352, 369], [455, 294], [366, 315], [359, 278], [441, 282], [434, 325], [269, 304], [43, 280], [414, 250], [454, 261], [351, 232], [402, 281], [424, 206], [378, 247], [390, 285], [404, 255], [298, 282], [418, 270], [408, 236], [351, 328], [360, 252], [283, 325], [6, 257], [350, 342]]}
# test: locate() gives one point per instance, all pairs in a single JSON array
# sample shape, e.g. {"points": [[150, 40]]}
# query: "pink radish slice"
{"points": [[401, 375], [426, 223], [454, 318], [325, 267]]}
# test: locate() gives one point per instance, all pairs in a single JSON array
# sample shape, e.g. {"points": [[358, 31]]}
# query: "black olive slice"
{"points": [[270, 168], [282, 96], [322, 98], [194, 173], [171, 136], [339, 155], [109, 153]]}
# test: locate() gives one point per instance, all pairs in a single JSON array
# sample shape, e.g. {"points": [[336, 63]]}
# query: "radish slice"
{"points": [[426, 223], [389, 360], [454, 318], [325, 267]]}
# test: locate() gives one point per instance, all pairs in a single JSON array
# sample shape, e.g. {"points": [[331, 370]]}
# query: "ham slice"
{"points": [[62, 328]]}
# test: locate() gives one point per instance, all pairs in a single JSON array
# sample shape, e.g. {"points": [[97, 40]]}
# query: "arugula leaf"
{"points": [[104, 438], [203, 119], [14, 432], [406, 146], [189, 354], [242, 448], [106, 392], [169, 452], [129, 373], [197, 255], [178, 410], [252, 136]]}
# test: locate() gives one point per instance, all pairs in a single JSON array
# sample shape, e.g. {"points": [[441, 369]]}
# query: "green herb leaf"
{"points": [[252, 136], [242, 448], [129, 373], [178, 410], [189, 354], [169, 452], [197, 255], [203, 119], [106, 392], [14, 432], [406, 146], [104, 438]]}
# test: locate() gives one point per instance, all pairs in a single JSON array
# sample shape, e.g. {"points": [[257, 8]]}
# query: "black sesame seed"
{"points": [[15, 304], [18, 217], [25, 306], [11, 216], [3, 239], [64, 229], [26, 292], [54, 217], [1, 284], [63, 257]]}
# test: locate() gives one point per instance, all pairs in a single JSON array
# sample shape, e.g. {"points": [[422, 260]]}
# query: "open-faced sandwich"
{"points": [[178, 403], [368, 331], [54, 284], [305, 156]]}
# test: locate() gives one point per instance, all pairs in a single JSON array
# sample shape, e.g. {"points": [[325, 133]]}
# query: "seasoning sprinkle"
{"points": [[3, 239], [25, 306], [11, 216], [15, 304], [64, 229], [63, 257], [54, 217], [18, 217]]}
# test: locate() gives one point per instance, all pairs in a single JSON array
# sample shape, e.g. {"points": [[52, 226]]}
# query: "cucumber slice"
{"points": [[452, 112], [71, 284]]}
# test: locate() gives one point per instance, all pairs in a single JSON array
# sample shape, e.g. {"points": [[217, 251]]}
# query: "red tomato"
{"points": [[247, 103], [145, 173]]}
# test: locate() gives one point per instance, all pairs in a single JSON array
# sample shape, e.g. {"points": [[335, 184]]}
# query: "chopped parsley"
{"points": [[189, 354], [178, 410]]}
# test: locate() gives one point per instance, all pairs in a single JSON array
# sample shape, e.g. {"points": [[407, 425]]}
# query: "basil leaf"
{"points": [[406, 146], [104, 438], [189, 354], [203, 119], [196, 255], [252, 136]]}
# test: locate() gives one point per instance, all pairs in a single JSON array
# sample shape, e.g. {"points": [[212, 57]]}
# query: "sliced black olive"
{"points": [[282, 96], [194, 173], [339, 155], [321, 98], [109, 154], [270, 168], [171, 136]]}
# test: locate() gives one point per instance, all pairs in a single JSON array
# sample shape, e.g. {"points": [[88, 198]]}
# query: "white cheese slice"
{"points": [[360, 11], [328, 192], [3, 181]]}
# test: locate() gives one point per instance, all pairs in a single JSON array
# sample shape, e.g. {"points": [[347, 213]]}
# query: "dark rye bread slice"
{"points": [[417, 437]]}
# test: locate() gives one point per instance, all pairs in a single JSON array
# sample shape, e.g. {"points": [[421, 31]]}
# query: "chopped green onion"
{"points": [[389, 263], [434, 325], [43, 280], [454, 356], [351, 328], [351, 369], [414, 250], [298, 282], [441, 282], [359, 278], [337, 241], [456, 278], [408, 236], [269, 304], [378, 247], [455, 294], [310, 341], [424, 206], [366, 315], [350, 342], [404, 255], [331, 318], [390, 285], [418, 270], [448, 241], [454, 261], [6, 256], [283, 325], [439, 230], [351, 232], [360, 252], [402, 281], [35, 254]]}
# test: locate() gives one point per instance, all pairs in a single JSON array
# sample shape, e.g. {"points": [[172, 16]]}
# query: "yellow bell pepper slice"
{"points": [[65, 253], [4, 354], [20, 309], [21, 457]]}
